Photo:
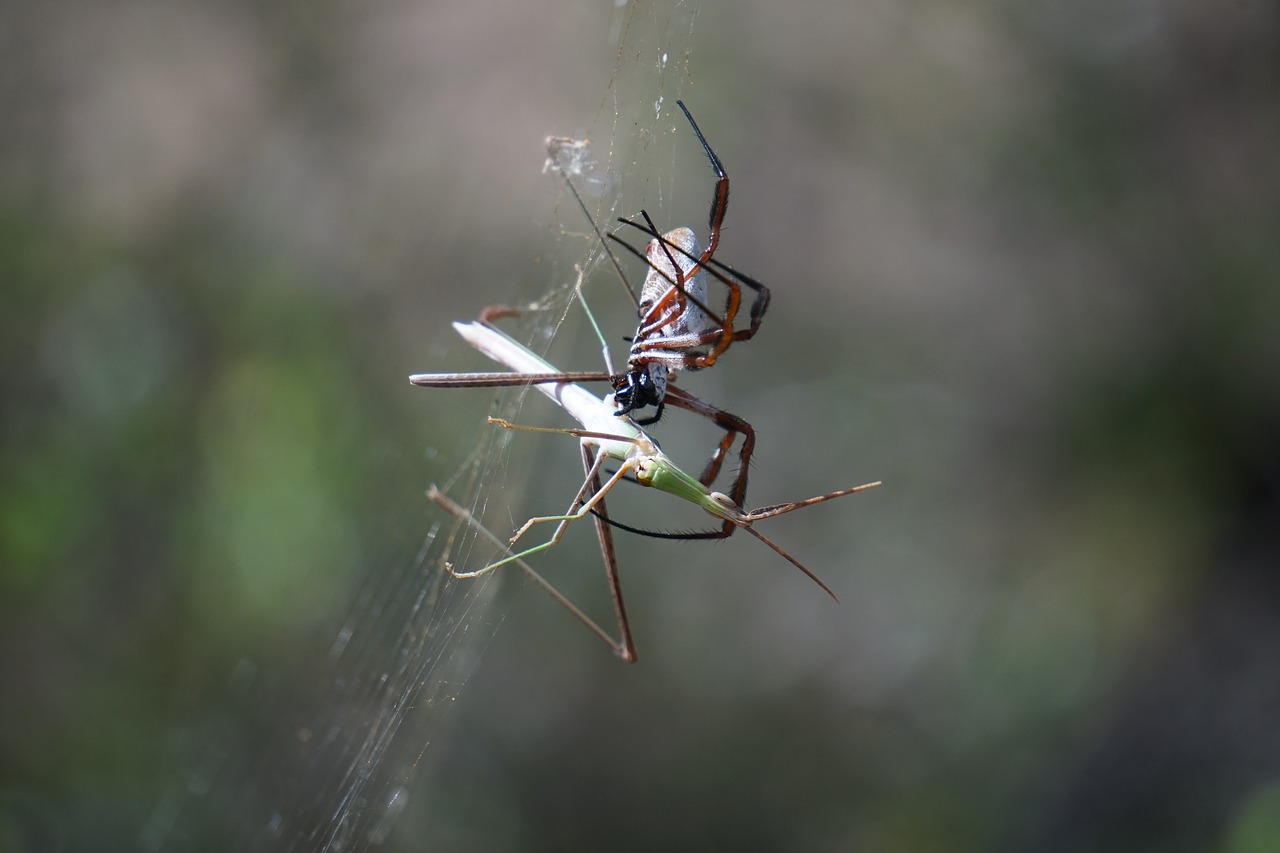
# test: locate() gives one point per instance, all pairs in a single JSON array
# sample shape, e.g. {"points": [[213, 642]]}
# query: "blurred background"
{"points": [[1025, 269]]}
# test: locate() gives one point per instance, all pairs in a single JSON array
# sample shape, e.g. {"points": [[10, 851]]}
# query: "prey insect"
{"points": [[604, 437]]}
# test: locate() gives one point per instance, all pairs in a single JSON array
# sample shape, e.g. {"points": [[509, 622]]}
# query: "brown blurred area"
{"points": [[1025, 271]]}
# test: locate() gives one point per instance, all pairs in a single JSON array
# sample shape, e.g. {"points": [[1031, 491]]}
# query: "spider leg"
{"points": [[718, 338], [732, 426], [681, 291], [758, 306], [720, 198], [730, 278]]}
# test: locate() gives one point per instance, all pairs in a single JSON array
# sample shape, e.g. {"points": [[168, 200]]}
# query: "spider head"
{"points": [[644, 385]]}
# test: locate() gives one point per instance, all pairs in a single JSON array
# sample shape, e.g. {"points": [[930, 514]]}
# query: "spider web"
{"points": [[345, 764]]}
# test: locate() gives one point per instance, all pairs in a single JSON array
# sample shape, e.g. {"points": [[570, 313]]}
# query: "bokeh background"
{"points": [[1026, 271]]}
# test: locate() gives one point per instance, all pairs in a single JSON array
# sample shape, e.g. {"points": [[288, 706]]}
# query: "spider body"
{"points": [[673, 323], [677, 329]]}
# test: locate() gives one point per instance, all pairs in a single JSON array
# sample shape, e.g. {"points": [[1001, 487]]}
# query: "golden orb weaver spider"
{"points": [[677, 329]]}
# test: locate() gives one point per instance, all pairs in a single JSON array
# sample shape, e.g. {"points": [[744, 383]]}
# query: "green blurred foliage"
{"points": [[1025, 271]]}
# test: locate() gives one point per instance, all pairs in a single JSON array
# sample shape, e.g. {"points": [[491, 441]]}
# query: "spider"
{"points": [[677, 329]]}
